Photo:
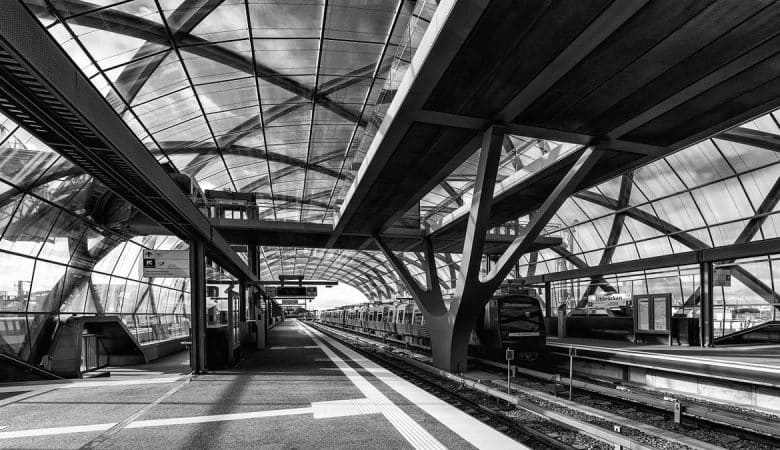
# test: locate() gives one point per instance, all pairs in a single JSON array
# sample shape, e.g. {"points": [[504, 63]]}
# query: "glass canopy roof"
{"points": [[283, 98], [271, 97]]}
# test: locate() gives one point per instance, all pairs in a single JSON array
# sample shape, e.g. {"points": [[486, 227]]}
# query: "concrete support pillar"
{"points": [[548, 303], [231, 327], [253, 258], [197, 307], [242, 301], [706, 317], [450, 328]]}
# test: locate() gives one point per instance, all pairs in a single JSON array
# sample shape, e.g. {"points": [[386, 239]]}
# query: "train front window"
{"points": [[519, 315]]}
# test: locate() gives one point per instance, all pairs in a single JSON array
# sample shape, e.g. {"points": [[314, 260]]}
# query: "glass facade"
{"points": [[64, 251]]}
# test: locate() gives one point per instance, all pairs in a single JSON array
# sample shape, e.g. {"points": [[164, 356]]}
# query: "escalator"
{"points": [[765, 333]]}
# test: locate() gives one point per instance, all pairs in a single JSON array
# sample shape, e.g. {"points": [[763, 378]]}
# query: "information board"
{"points": [[659, 314], [643, 313], [165, 264], [652, 314], [291, 291], [721, 277]]}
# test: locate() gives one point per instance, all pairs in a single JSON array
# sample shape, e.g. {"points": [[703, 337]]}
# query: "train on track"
{"points": [[513, 318]]}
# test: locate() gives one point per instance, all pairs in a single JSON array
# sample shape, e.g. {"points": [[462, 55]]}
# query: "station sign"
{"points": [[722, 278], [293, 301], [291, 291], [165, 263]]}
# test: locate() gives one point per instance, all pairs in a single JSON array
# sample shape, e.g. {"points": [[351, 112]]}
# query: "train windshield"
{"points": [[519, 316]]}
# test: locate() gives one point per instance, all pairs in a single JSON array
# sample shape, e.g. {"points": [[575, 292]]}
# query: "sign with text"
{"points": [[722, 278], [291, 291], [165, 264], [652, 314], [293, 301]]}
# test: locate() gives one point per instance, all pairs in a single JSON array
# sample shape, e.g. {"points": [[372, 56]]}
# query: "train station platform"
{"points": [[747, 360], [745, 375], [305, 391], [756, 356]]}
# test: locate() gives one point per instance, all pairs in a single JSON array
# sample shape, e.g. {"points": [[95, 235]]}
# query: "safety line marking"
{"points": [[319, 410], [412, 431], [286, 348], [467, 427], [92, 384], [76, 384], [56, 430]]}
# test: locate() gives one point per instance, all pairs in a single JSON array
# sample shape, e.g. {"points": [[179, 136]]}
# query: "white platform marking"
{"points": [[320, 410], [92, 384], [415, 434], [467, 427], [285, 348], [56, 430]]}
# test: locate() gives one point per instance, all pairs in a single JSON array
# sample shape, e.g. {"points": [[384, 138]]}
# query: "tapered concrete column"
{"points": [[197, 307], [450, 328]]}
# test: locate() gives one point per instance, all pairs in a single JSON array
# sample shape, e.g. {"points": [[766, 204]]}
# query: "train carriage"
{"points": [[513, 318]]}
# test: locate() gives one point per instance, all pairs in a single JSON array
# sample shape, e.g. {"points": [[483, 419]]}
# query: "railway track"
{"points": [[709, 423], [525, 422], [644, 417]]}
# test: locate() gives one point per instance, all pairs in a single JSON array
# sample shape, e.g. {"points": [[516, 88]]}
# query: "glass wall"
{"points": [[744, 292], [65, 250]]}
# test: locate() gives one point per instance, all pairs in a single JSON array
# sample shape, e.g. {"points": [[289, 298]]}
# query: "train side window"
{"points": [[400, 318], [389, 317], [418, 318]]}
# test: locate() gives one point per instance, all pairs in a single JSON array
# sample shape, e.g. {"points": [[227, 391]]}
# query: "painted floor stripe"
{"points": [[219, 418], [93, 384], [412, 431], [319, 410], [467, 427], [56, 430]]}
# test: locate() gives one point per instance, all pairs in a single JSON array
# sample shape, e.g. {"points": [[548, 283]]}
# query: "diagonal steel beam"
{"points": [[116, 21], [133, 77], [748, 136], [479, 214], [454, 195], [428, 298], [565, 187], [618, 223]]}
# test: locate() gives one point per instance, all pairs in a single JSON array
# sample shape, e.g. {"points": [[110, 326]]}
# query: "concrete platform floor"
{"points": [[306, 391]]}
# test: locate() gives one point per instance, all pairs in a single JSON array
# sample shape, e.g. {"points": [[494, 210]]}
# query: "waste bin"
{"points": [[217, 347], [685, 330]]}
